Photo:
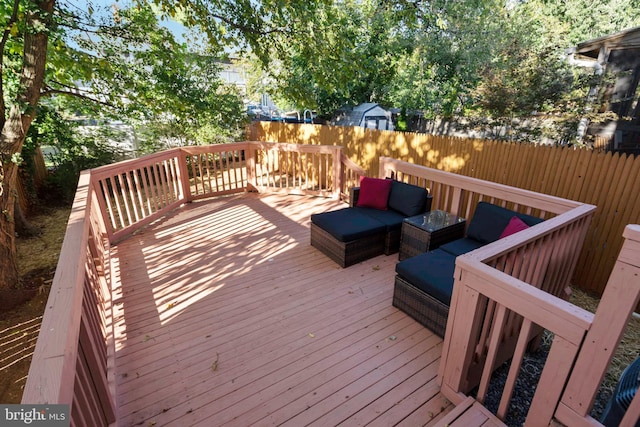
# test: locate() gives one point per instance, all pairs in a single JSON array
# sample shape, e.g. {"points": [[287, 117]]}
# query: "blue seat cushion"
{"points": [[461, 246], [489, 221], [409, 200], [392, 220], [431, 272], [348, 224]]}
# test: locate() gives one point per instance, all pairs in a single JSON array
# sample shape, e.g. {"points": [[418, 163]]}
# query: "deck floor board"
{"points": [[226, 316]]}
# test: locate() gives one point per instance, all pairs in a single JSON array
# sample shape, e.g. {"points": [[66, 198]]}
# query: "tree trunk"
{"points": [[14, 131], [24, 228]]}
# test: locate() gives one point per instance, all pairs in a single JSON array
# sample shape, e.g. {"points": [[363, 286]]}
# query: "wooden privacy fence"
{"points": [[609, 181]]}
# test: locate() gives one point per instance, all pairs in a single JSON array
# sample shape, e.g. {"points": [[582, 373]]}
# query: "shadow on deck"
{"points": [[225, 315]]}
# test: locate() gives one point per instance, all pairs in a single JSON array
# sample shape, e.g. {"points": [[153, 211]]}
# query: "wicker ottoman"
{"points": [[347, 253], [424, 308]]}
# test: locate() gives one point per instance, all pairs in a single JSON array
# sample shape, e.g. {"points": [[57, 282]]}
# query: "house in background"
{"points": [[618, 57], [368, 115], [233, 72]]}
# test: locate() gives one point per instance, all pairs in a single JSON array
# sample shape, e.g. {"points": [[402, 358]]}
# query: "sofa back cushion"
{"points": [[374, 193], [489, 221], [407, 199]]}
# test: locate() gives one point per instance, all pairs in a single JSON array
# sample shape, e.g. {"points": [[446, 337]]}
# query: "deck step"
{"points": [[470, 413]]}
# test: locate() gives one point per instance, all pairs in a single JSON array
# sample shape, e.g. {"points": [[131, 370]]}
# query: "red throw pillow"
{"points": [[515, 225], [374, 193]]}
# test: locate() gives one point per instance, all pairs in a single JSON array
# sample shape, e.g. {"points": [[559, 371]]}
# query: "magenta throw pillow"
{"points": [[515, 225], [374, 193]]}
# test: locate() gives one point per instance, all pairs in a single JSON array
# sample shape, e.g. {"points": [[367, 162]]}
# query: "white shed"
{"points": [[368, 115]]}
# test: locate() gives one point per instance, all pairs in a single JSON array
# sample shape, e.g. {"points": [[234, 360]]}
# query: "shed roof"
{"points": [[352, 116], [626, 39]]}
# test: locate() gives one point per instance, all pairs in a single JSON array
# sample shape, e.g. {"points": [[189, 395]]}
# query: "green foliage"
{"points": [[68, 150], [465, 58], [121, 64], [478, 58], [346, 56], [168, 91]]}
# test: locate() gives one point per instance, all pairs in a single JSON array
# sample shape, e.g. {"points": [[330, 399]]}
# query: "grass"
{"points": [[19, 327]]}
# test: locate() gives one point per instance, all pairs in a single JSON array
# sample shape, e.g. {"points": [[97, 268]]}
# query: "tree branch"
{"points": [[84, 24], [246, 28], [74, 92]]}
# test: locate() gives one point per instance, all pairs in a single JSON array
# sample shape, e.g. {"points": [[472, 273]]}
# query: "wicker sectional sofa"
{"points": [[371, 225], [424, 283]]}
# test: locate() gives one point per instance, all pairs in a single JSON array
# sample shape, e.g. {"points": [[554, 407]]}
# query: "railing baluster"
{"points": [[514, 369], [495, 338], [117, 194]]}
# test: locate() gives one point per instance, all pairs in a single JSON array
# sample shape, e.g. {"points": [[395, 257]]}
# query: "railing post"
{"points": [[250, 165], [382, 168], [337, 172], [618, 302], [183, 176]]}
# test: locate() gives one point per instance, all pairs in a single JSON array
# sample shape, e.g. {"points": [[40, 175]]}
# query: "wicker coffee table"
{"points": [[426, 232]]}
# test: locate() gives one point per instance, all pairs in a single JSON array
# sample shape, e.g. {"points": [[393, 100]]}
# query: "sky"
{"points": [[177, 29]]}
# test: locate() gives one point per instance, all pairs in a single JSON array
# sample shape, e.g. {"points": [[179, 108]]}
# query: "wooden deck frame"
{"points": [[75, 367]]}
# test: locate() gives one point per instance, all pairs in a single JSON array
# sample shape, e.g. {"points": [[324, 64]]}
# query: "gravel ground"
{"points": [[532, 366]]}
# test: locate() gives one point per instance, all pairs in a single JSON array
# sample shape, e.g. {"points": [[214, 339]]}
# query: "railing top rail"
{"points": [[309, 148], [53, 364], [544, 228], [542, 308], [200, 149], [520, 196], [126, 165]]}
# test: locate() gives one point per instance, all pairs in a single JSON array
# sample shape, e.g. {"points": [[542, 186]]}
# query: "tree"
{"points": [[37, 61], [15, 118], [347, 55], [168, 91], [444, 58]]}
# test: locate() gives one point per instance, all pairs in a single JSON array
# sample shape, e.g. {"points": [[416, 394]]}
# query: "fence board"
{"points": [[604, 174], [609, 181]]}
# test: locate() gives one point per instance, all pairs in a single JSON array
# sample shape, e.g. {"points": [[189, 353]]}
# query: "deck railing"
{"points": [[543, 256], [72, 361], [136, 192], [70, 364], [582, 347]]}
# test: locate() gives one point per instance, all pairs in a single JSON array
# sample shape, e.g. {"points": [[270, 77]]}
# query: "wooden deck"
{"points": [[225, 315]]}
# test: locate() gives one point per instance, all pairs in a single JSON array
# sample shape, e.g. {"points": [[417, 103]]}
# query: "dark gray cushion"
{"points": [[407, 199], [390, 218], [461, 246], [432, 272], [489, 221], [348, 224]]}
